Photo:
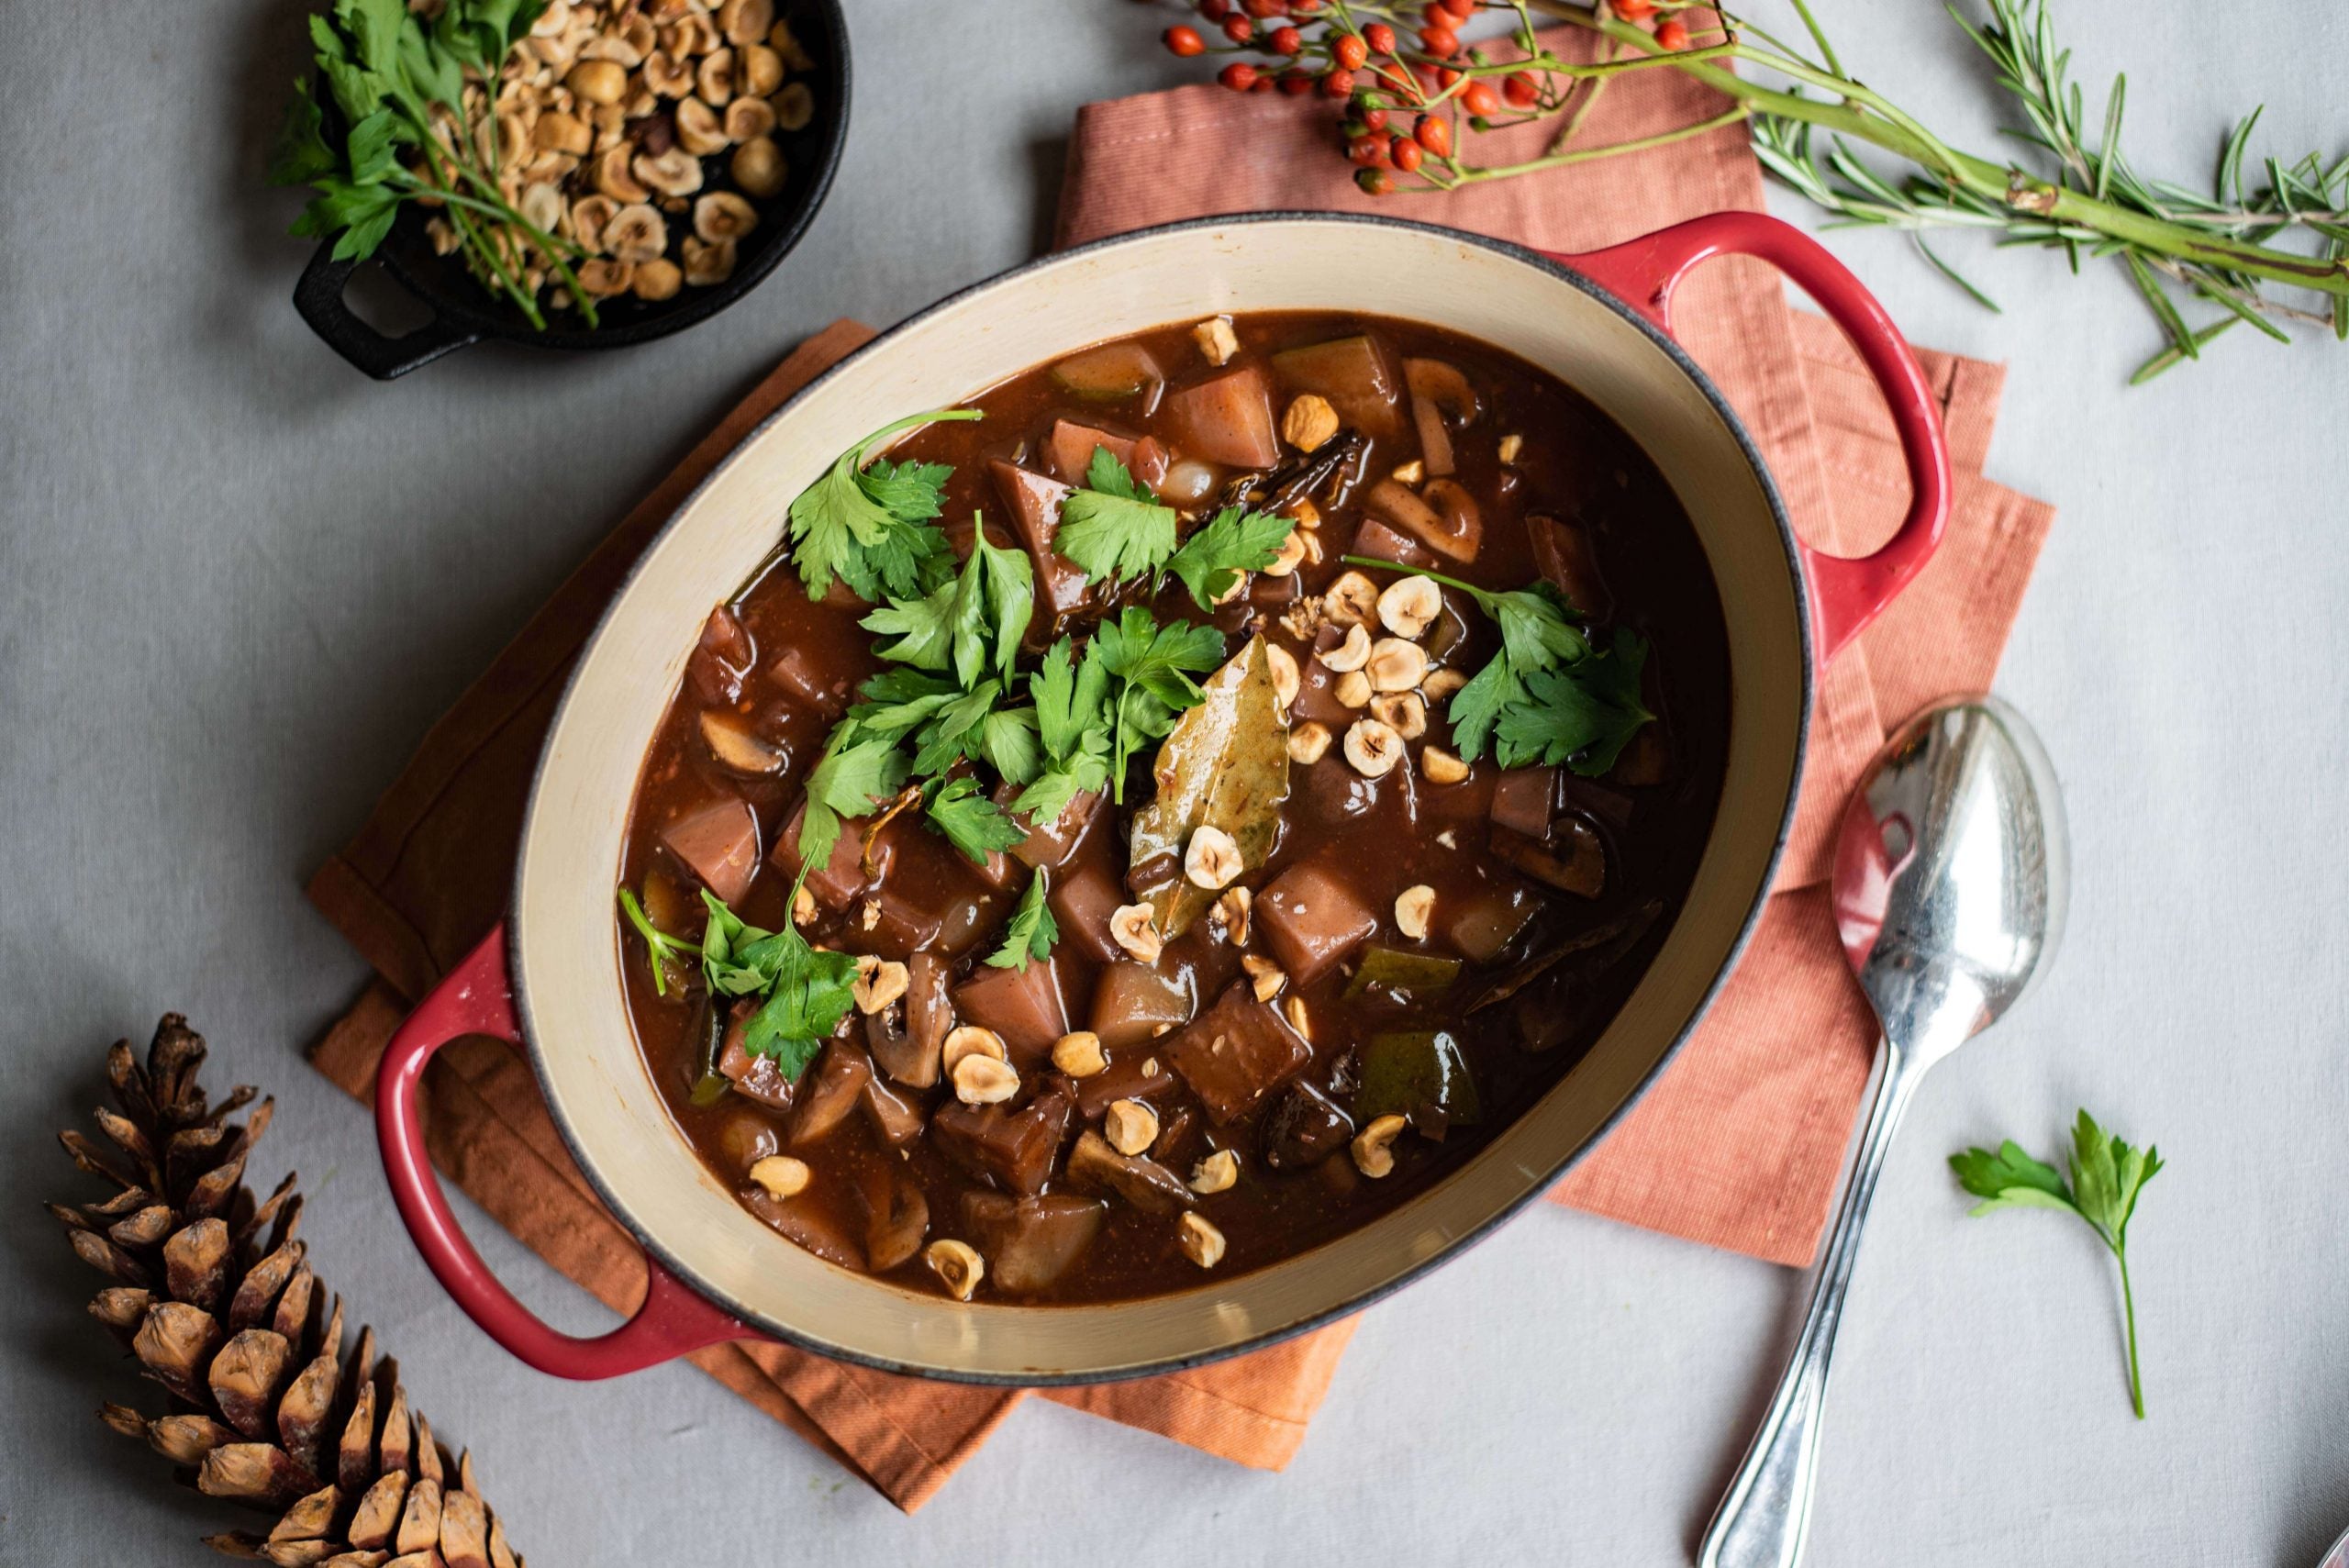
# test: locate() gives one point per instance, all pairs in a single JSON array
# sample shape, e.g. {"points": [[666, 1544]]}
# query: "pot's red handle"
{"points": [[477, 999], [1846, 593]]}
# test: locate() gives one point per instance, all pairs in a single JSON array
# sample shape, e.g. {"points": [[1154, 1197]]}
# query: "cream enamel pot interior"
{"points": [[1599, 322]]}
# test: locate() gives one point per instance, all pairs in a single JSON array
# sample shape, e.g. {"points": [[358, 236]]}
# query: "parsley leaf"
{"points": [[1114, 526], [1072, 730], [1582, 716], [957, 730], [1149, 669], [857, 770], [806, 991], [972, 823], [870, 527], [2107, 1175], [1235, 541], [1033, 931], [1008, 740], [1547, 698]]}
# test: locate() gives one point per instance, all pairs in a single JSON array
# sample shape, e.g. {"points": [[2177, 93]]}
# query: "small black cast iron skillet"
{"points": [[463, 312]]}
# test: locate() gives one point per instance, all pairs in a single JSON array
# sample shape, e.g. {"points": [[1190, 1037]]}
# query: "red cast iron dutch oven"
{"points": [[549, 979]]}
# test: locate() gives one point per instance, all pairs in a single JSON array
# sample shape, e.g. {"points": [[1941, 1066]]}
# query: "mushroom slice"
{"points": [[732, 742]]}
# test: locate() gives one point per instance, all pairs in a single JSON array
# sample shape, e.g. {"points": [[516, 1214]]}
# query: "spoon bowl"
{"points": [[1952, 876]]}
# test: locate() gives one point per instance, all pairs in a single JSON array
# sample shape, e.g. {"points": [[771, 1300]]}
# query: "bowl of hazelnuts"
{"points": [[674, 150]]}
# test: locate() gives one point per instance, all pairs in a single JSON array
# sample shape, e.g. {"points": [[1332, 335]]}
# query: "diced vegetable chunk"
{"points": [[1524, 799], [1356, 374], [720, 844], [1072, 446], [1489, 919], [1013, 1148], [1026, 1006], [1030, 1242], [1133, 1003], [811, 683], [1226, 419], [1082, 901], [1304, 1128], [1048, 844], [1375, 539], [1313, 917], [1034, 502], [1562, 552], [1415, 976], [1137, 1072], [1573, 860], [897, 1216], [839, 880], [1237, 1053], [1414, 1075], [724, 655], [1111, 372]]}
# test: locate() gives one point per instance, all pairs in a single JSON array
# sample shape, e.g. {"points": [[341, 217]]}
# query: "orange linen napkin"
{"points": [[1737, 1146]]}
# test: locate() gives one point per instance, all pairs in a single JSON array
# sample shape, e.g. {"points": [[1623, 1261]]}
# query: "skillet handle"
{"points": [[1846, 593], [475, 999], [319, 297]]}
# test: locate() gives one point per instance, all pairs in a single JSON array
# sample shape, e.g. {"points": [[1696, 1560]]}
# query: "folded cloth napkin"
{"points": [[1737, 1145]]}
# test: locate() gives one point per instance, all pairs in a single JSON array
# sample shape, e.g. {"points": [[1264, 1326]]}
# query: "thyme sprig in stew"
{"points": [[1166, 813]]}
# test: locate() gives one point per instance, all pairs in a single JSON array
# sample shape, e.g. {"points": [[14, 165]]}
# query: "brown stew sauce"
{"points": [[1558, 885]]}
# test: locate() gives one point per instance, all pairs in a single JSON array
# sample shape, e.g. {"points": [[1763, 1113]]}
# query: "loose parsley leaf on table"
{"points": [[1547, 698], [2107, 1175], [870, 526], [1114, 526], [805, 991], [1033, 931], [1232, 542]]}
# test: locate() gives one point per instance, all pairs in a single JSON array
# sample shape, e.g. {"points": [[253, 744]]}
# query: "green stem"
{"points": [[1864, 116], [1470, 175], [2129, 1311]]}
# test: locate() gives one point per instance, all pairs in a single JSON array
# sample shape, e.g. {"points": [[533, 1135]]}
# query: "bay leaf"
{"points": [[1225, 764]]}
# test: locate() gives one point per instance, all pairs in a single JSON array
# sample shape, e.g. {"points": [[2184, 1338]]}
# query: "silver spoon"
{"points": [[1950, 883]]}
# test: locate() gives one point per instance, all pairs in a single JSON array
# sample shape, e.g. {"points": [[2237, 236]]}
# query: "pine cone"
{"points": [[214, 1297]]}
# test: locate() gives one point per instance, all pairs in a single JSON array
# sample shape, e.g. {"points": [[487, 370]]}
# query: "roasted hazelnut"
{"points": [[745, 21], [1212, 858], [666, 75], [1264, 977], [699, 131], [1373, 748], [782, 1176], [1510, 446], [1309, 422], [1309, 742], [1351, 599], [1408, 606], [1396, 665], [957, 1265], [1410, 472], [1216, 340], [597, 80], [970, 1039], [1219, 1172], [1286, 678], [636, 233], [1373, 1146], [760, 70], [1134, 929], [746, 119], [723, 216], [614, 178], [1402, 712], [1079, 1055], [675, 172], [1201, 1242], [1353, 689], [795, 106], [1235, 909], [563, 133], [707, 263], [759, 167], [983, 1080], [1349, 654], [714, 77], [1130, 1126], [1440, 766], [879, 982], [602, 277], [1442, 683], [657, 280], [1413, 908]]}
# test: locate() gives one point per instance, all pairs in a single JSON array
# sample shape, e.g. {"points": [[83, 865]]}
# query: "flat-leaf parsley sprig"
{"points": [[397, 83], [1548, 698], [2107, 1175], [868, 523], [1116, 528]]}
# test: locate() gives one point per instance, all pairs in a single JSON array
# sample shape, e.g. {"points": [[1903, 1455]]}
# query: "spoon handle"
{"points": [[1765, 1515]]}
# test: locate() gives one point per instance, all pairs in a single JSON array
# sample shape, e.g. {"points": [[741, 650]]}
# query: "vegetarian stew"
{"points": [[1168, 811]]}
